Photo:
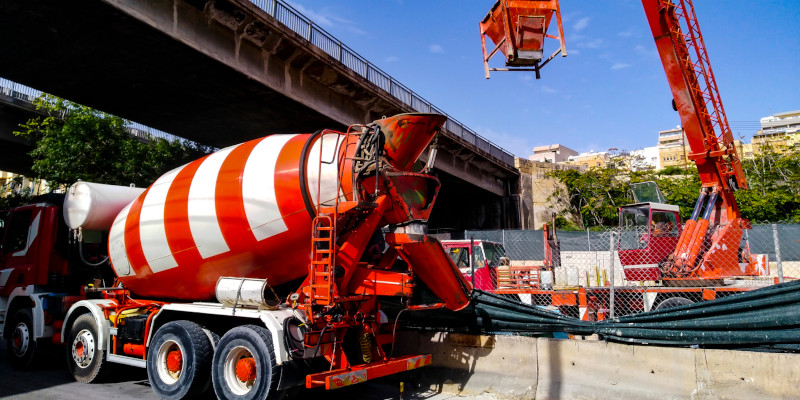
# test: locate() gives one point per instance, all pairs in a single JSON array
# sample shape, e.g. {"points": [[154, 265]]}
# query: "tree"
{"points": [[75, 142], [772, 178]]}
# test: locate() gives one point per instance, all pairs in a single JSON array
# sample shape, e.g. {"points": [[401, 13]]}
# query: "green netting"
{"points": [[764, 317]]}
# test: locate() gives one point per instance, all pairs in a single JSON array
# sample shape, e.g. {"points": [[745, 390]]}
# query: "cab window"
{"points": [[460, 256], [664, 224], [16, 231], [480, 259]]}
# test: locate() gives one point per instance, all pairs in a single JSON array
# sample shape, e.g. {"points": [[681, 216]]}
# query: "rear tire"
{"points": [[85, 360], [20, 342], [244, 365], [673, 302], [179, 361]]}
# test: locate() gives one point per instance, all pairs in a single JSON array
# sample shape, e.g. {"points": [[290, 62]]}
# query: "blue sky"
{"points": [[609, 92]]}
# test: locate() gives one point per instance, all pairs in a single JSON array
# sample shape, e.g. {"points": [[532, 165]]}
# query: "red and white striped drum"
{"points": [[238, 212]]}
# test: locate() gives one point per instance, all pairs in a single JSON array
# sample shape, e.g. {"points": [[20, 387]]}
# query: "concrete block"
{"points": [[471, 366], [574, 369], [725, 374]]}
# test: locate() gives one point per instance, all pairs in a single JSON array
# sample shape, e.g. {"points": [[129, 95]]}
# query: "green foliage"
{"points": [[774, 194], [10, 198], [563, 224], [77, 142]]}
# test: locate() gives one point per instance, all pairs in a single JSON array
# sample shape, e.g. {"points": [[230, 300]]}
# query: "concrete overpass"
{"points": [[223, 71]]}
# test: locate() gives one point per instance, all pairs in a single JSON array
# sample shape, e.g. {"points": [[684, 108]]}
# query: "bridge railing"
{"points": [[29, 95], [306, 28]]}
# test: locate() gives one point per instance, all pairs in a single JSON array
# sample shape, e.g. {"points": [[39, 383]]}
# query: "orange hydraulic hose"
{"points": [[681, 247], [697, 243]]}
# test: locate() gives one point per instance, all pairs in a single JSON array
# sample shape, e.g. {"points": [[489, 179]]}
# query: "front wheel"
{"points": [[20, 343], [85, 359], [244, 365], [179, 361]]}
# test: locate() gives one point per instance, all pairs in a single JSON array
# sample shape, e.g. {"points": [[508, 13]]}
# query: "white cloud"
{"points": [[435, 48], [548, 89], [581, 24], [645, 50], [620, 65], [594, 44], [327, 19]]}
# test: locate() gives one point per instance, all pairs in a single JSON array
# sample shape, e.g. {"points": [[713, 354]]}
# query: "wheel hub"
{"points": [[170, 362], [240, 370], [174, 361], [20, 339], [83, 349], [246, 369]]}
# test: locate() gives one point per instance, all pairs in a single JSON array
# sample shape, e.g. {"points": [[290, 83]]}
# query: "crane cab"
{"points": [[648, 232]]}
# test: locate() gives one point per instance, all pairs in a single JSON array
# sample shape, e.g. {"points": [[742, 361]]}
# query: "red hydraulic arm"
{"points": [[696, 98]]}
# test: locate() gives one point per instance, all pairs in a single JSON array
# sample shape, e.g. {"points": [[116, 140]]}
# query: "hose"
{"points": [[312, 212]]}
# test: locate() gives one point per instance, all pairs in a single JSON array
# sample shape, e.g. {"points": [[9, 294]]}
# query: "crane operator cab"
{"points": [[648, 232]]}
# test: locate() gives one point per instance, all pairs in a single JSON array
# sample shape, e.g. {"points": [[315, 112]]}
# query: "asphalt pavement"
{"points": [[51, 380]]}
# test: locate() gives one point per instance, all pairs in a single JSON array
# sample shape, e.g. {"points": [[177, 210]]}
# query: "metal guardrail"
{"points": [[306, 28], [317, 36], [29, 94]]}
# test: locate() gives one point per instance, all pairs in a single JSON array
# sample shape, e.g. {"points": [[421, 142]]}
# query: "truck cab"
{"points": [[33, 265], [485, 255], [648, 233]]}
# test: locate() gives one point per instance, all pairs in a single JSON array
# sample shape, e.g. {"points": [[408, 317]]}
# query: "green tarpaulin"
{"points": [[768, 317]]}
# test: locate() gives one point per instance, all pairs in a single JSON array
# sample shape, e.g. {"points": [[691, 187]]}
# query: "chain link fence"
{"points": [[594, 275]]}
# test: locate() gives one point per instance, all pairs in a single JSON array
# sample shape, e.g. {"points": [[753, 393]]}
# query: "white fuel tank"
{"points": [[93, 206]]}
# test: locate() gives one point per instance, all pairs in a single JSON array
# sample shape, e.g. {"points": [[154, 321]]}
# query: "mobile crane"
{"points": [[709, 247]]}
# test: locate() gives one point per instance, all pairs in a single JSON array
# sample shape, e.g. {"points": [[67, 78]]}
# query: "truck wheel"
{"points": [[179, 361], [673, 302], [20, 343], [85, 359], [244, 365]]}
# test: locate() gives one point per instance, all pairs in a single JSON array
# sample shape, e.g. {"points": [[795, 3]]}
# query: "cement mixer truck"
{"points": [[260, 267]]}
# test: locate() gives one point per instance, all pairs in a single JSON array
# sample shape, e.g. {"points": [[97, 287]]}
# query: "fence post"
{"points": [[589, 239], [472, 259], [273, 8], [777, 251], [611, 270]]}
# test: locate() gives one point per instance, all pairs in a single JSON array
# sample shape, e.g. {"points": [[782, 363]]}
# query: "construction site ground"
{"points": [[496, 367]]}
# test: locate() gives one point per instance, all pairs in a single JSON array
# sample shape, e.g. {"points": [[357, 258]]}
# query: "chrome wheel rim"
{"points": [[83, 349]]}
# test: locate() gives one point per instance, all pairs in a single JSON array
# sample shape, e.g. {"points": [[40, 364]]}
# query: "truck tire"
{"points": [[179, 361], [85, 360], [244, 365], [673, 302], [20, 342]]}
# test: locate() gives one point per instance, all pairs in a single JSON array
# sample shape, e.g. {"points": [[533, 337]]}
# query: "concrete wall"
{"points": [[536, 187], [516, 367]]}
